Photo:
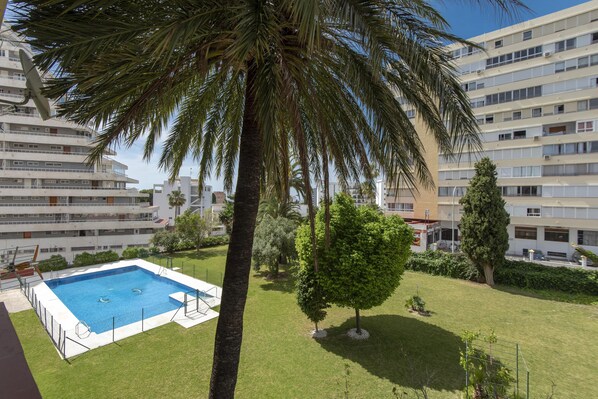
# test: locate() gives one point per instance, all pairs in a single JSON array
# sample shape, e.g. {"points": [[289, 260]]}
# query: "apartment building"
{"points": [[357, 191], [195, 201], [534, 91], [49, 195]]}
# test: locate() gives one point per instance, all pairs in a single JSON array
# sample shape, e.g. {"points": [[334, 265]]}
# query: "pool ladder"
{"points": [[85, 333]]}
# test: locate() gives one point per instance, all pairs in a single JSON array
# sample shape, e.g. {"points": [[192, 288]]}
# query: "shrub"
{"points": [[529, 275], [131, 253], [415, 303], [86, 259], [153, 250], [143, 253], [56, 262], [443, 264]]}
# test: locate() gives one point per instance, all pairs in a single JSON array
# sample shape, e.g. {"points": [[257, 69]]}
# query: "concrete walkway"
{"points": [[14, 300]]}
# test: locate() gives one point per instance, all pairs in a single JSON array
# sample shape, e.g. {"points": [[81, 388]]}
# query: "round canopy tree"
{"points": [[484, 236], [362, 264]]}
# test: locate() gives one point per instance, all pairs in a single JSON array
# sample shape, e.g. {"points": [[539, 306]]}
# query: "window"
{"points": [[498, 44], [410, 113], [582, 62], [536, 112], [30, 163], [56, 147], [504, 136], [526, 233], [519, 134], [594, 37], [516, 115], [535, 212], [583, 127], [586, 237], [582, 105], [559, 109], [558, 235], [594, 60], [53, 164], [527, 35], [18, 145], [559, 67], [564, 45], [594, 103], [489, 119]]}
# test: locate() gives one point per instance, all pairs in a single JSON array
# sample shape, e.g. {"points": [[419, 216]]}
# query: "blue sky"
{"points": [[465, 20]]}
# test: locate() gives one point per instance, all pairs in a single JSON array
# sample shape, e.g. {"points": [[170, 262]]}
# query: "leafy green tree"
{"points": [[176, 199], [484, 236], [192, 227], [167, 240], [363, 264], [310, 294], [226, 216], [247, 82], [149, 192], [273, 243]]}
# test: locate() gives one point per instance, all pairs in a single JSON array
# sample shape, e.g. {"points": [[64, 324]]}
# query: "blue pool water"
{"points": [[120, 293]]}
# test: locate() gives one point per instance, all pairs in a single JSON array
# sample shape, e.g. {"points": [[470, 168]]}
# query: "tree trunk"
{"points": [[316, 326], [489, 274], [229, 333], [357, 322]]}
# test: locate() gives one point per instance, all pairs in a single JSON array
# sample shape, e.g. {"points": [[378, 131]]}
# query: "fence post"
{"points": [[194, 270], [113, 328], [185, 303], [517, 369], [206, 275], [196, 300], [52, 320], [527, 385], [466, 370], [142, 319]]}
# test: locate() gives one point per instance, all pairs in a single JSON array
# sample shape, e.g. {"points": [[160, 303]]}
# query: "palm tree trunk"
{"points": [[229, 333]]}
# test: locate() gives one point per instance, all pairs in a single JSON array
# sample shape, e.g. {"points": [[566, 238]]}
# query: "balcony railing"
{"points": [[50, 170], [128, 190], [37, 221], [61, 152], [88, 138], [141, 204]]}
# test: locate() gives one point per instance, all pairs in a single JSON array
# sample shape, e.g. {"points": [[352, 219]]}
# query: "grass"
{"points": [[280, 359]]}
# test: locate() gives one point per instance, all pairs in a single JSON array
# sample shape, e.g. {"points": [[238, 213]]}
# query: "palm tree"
{"points": [[176, 199], [245, 84]]}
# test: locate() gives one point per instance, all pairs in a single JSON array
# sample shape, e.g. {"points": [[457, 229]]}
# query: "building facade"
{"points": [[49, 195], [534, 91], [194, 200]]}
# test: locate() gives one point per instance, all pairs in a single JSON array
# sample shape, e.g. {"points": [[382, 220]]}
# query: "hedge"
{"points": [[212, 241], [512, 273], [56, 262], [135, 252], [530, 275], [440, 263], [86, 259]]}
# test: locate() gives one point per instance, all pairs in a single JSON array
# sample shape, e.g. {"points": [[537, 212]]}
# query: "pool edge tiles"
{"points": [[61, 315]]}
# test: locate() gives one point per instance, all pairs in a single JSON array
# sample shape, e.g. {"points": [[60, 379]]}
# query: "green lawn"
{"points": [[280, 360]]}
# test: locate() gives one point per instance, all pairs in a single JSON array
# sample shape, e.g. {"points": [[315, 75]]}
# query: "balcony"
{"points": [[558, 129], [28, 133]]}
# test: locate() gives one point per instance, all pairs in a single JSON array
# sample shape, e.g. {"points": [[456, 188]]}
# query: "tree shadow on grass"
{"points": [[404, 350], [285, 282]]}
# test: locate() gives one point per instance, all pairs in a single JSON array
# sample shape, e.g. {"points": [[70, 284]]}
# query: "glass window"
{"points": [[594, 59], [594, 103], [594, 37], [504, 136], [559, 67], [582, 105], [535, 212], [558, 235], [537, 112], [526, 233], [498, 44], [516, 115], [519, 134], [583, 62], [527, 35], [586, 237], [559, 109]]}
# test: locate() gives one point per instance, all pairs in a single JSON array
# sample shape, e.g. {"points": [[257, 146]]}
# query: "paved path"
{"points": [[14, 300]]}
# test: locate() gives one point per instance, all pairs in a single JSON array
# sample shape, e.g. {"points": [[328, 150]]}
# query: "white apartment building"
{"points": [[194, 200], [49, 196], [535, 95], [354, 191]]}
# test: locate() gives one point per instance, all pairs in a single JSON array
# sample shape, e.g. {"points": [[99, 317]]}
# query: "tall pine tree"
{"points": [[484, 236]]}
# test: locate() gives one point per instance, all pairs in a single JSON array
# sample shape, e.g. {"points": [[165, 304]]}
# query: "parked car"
{"points": [[576, 257], [538, 255]]}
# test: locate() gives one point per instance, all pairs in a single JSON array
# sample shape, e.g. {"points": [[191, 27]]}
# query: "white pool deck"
{"points": [[56, 313]]}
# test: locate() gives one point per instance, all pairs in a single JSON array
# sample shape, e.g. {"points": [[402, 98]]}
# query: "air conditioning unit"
{"points": [[546, 157], [479, 71], [547, 54], [536, 138]]}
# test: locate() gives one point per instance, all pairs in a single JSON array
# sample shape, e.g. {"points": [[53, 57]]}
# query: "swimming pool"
{"points": [[117, 297]]}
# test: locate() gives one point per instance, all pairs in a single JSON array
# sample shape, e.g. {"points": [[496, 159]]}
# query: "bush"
{"points": [[214, 241], [512, 273], [131, 253], [443, 264], [56, 262], [143, 253], [86, 259], [153, 250], [415, 303], [529, 275]]}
